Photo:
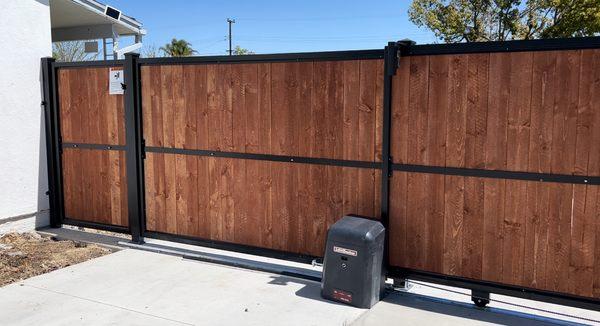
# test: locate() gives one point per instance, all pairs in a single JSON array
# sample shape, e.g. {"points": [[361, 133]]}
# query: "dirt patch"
{"points": [[23, 255]]}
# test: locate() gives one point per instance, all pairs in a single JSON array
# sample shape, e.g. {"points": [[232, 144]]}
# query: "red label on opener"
{"points": [[342, 295]]}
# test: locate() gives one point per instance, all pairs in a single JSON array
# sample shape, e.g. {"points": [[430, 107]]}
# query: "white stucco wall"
{"points": [[25, 37]]}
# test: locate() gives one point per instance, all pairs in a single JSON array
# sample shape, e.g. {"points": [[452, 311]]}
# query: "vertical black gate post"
{"points": [[390, 63], [53, 142], [134, 147]]}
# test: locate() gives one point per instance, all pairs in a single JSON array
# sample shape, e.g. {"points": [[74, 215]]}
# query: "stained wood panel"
{"points": [[267, 204], [95, 186], [522, 111], [325, 109], [88, 113], [519, 111], [560, 221]]}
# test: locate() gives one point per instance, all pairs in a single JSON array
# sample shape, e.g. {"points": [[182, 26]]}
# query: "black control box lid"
{"points": [[358, 230]]}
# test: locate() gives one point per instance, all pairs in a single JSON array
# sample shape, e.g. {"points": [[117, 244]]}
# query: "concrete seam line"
{"points": [[21, 217], [104, 303]]}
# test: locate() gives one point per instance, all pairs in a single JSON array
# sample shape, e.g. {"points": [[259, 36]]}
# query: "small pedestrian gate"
{"points": [[481, 159]]}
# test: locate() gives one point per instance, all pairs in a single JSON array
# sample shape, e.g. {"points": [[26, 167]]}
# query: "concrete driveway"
{"points": [[133, 287]]}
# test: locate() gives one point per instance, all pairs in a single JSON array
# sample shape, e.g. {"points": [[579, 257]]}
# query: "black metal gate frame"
{"points": [[392, 55]]}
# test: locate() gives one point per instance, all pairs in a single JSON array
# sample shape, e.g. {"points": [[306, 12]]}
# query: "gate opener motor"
{"points": [[352, 268]]}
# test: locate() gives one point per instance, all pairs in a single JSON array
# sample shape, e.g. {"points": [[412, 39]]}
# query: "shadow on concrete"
{"points": [[464, 310], [310, 289]]}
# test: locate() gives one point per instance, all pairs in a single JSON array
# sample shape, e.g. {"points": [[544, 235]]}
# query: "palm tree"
{"points": [[178, 48]]}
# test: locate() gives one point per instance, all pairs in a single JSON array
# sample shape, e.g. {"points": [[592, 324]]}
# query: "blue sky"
{"points": [[268, 26]]}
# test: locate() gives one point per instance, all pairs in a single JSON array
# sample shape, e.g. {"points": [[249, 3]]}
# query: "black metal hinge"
{"points": [[390, 162]]}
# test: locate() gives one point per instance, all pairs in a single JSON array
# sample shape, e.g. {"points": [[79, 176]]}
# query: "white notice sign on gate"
{"points": [[115, 81]]}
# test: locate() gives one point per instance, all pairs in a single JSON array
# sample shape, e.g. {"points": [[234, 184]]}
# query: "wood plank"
{"points": [[400, 112], [204, 198], [455, 156], [264, 103], [456, 113], [378, 110], [493, 218], [350, 118], [147, 75], [583, 240], [418, 207], [473, 228], [150, 191], [252, 109], [214, 134], [559, 238], [123, 186], [596, 286], [477, 108], [594, 158], [454, 202], [367, 114], [64, 102], [583, 235], [199, 103], [565, 112], [191, 108], [417, 210], [241, 228], [333, 118], [418, 104], [540, 150], [497, 118], [518, 137], [495, 159], [536, 235], [436, 144], [398, 219], [238, 108], [69, 193], [475, 130]]}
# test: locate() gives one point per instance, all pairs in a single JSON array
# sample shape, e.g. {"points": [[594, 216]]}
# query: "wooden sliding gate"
{"points": [[482, 160], [266, 154]]}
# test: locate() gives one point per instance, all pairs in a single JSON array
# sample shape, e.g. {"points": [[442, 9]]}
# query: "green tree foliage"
{"points": [[241, 51], [500, 20], [177, 48]]}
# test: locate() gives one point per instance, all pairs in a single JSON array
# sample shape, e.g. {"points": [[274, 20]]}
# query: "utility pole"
{"points": [[230, 21]]}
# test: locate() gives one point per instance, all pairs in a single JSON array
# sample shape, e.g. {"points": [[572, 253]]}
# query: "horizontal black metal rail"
{"points": [[223, 245], [465, 172], [96, 225], [498, 288], [277, 57], [94, 146], [89, 64], [576, 43], [498, 174], [266, 157]]}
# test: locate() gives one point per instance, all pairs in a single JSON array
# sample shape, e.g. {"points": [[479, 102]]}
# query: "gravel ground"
{"points": [[23, 255]]}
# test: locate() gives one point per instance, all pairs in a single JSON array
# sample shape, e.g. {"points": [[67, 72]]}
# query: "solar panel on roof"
{"points": [[112, 12]]}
